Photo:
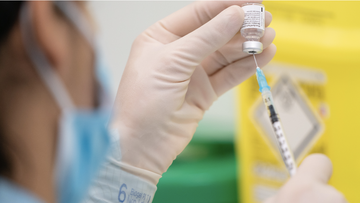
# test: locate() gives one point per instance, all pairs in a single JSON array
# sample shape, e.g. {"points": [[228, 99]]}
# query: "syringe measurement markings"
{"points": [[283, 145], [284, 148]]}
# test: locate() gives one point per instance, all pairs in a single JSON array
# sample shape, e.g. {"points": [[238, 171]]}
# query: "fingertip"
{"points": [[319, 158], [268, 37], [317, 166], [272, 50], [270, 31], [241, 11], [242, 14], [268, 18], [212, 35], [238, 14]]}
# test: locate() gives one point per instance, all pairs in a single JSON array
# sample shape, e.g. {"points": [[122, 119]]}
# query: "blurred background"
{"points": [[313, 76]]}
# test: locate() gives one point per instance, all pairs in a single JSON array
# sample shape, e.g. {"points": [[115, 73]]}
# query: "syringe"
{"points": [[283, 145]]}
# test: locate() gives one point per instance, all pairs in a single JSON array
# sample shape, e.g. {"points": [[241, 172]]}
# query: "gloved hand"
{"points": [[309, 185], [177, 68]]}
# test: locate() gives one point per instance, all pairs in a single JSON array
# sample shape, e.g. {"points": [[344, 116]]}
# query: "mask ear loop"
{"points": [[74, 15], [41, 63]]}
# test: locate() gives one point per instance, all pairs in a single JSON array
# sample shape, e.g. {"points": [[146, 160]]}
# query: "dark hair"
{"points": [[9, 13]]}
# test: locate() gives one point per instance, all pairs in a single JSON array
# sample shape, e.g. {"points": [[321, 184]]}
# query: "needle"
{"points": [[255, 61]]}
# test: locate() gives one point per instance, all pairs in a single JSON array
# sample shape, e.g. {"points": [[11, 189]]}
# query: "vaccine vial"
{"points": [[253, 27]]}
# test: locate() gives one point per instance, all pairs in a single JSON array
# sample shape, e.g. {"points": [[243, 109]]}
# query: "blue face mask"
{"points": [[84, 138]]}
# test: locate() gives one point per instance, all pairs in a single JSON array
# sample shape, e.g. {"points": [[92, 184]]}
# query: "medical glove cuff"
{"points": [[141, 173]]}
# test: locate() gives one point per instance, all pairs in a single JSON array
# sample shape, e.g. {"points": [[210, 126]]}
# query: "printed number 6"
{"points": [[122, 193]]}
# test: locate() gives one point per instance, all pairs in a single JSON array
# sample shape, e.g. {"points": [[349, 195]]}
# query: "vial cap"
{"points": [[252, 47]]}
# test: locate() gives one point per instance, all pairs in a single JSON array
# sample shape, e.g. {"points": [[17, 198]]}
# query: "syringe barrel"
{"points": [[282, 142]]}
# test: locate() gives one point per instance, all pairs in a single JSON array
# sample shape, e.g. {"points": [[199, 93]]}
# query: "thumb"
{"points": [[317, 167], [203, 41]]}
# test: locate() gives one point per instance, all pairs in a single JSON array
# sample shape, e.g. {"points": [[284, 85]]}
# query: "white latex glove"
{"points": [[309, 185], [177, 68]]}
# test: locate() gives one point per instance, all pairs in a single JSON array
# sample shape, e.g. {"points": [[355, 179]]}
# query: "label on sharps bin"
{"points": [[254, 17], [298, 118]]}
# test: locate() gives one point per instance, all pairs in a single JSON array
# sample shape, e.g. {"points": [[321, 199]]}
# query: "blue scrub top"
{"points": [[11, 193]]}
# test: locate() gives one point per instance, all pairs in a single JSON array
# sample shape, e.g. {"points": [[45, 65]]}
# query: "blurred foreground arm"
{"points": [[309, 185]]}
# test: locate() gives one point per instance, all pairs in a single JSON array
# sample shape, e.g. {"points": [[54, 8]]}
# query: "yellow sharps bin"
{"points": [[315, 81]]}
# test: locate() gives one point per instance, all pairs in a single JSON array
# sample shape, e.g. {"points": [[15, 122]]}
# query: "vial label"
{"points": [[254, 17]]}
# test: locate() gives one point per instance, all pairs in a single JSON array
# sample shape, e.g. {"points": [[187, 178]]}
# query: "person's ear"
{"points": [[50, 30]]}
